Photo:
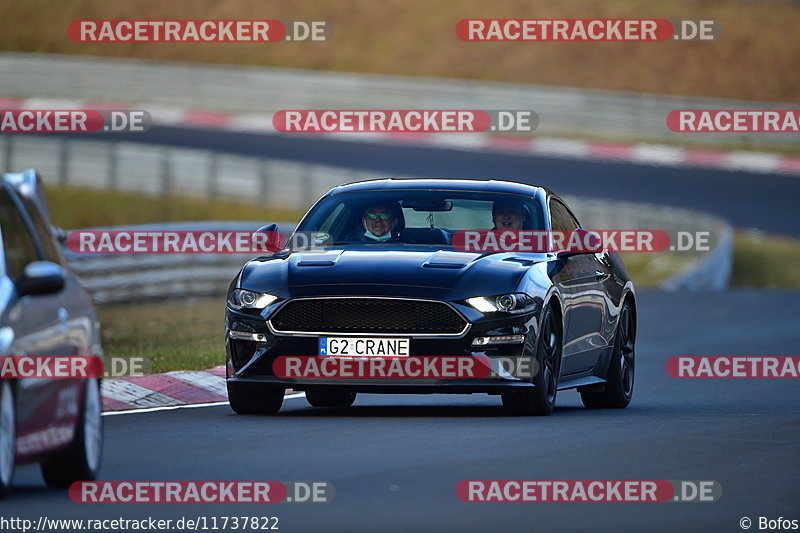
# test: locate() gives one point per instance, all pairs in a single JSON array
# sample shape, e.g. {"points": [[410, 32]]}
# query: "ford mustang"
{"points": [[388, 280]]}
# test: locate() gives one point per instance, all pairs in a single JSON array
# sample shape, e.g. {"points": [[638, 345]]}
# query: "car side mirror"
{"points": [[41, 277], [267, 239], [581, 241]]}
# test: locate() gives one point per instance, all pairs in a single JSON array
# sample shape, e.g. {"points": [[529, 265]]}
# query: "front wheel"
{"points": [[255, 399], [618, 389], [330, 398], [82, 461], [541, 399]]}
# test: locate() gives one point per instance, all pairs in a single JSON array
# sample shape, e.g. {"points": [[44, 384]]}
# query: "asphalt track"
{"points": [[768, 202], [395, 460]]}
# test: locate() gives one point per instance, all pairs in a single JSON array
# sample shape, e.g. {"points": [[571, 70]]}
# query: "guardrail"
{"points": [[164, 171], [135, 277], [563, 111]]}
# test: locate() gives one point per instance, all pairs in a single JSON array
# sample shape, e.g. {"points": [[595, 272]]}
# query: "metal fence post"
{"points": [[63, 161], [263, 175], [213, 177], [113, 166], [166, 173]]}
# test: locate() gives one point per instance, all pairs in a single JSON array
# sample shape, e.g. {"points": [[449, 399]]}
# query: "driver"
{"points": [[508, 215], [379, 221]]}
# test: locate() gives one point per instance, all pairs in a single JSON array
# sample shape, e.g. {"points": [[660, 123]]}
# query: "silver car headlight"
{"points": [[244, 299], [514, 304]]}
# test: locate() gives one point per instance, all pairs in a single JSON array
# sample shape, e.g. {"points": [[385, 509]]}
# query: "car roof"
{"points": [[450, 184]]}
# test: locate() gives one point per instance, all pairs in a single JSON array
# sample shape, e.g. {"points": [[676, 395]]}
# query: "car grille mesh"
{"points": [[368, 315]]}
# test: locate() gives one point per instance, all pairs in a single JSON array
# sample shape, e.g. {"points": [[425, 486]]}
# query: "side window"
{"points": [[43, 231], [17, 242], [327, 224], [560, 218]]}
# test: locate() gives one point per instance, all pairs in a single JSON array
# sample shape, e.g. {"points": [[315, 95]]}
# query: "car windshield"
{"points": [[420, 217]]}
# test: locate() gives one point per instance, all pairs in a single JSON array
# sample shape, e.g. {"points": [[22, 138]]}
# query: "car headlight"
{"points": [[515, 303], [244, 299]]}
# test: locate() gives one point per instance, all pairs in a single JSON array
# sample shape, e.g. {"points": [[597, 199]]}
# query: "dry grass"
{"points": [[765, 261], [755, 58], [83, 207]]}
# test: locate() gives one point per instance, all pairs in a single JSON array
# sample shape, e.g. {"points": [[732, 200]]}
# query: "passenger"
{"points": [[508, 215]]}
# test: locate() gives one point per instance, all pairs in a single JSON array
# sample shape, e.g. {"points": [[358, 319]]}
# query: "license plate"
{"points": [[363, 347]]}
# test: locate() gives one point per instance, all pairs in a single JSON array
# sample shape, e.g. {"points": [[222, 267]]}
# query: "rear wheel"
{"points": [[330, 398], [255, 399], [8, 436], [619, 381], [541, 399], [82, 461]]}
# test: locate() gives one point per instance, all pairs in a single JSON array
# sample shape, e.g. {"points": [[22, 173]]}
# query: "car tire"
{"points": [[255, 399], [618, 390], [541, 399], [8, 436], [330, 398], [82, 461]]}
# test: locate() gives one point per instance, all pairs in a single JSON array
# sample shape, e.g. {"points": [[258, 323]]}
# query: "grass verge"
{"points": [[754, 58], [173, 336], [765, 261], [84, 207]]}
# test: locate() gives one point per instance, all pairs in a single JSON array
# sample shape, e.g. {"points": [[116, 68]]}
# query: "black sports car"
{"points": [[390, 283]]}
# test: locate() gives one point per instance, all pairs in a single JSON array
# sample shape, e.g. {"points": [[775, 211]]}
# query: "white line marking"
{"points": [[560, 147], [658, 154], [752, 161], [261, 122], [163, 115], [186, 406], [51, 103]]}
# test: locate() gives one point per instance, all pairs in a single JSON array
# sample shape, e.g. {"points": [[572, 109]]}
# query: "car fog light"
{"points": [[498, 339], [247, 336]]}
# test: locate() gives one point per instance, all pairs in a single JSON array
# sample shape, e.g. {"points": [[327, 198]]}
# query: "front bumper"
{"points": [[251, 361], [391, 386]]}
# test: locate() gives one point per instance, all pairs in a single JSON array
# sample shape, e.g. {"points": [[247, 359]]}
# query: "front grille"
{"points": [[368, 315]]}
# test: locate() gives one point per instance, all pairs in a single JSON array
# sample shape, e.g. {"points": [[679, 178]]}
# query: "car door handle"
{"points": [[598, 274]]}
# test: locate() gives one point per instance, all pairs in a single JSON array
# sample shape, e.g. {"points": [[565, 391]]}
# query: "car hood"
{"points": [[451, 271]]}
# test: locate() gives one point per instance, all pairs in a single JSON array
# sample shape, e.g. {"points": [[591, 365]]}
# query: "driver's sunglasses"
{"points": [[383, 216]]}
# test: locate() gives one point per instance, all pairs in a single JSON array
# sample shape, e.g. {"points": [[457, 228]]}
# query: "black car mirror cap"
{"points": [[569, 253], [589, 242], [41, 277]]}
